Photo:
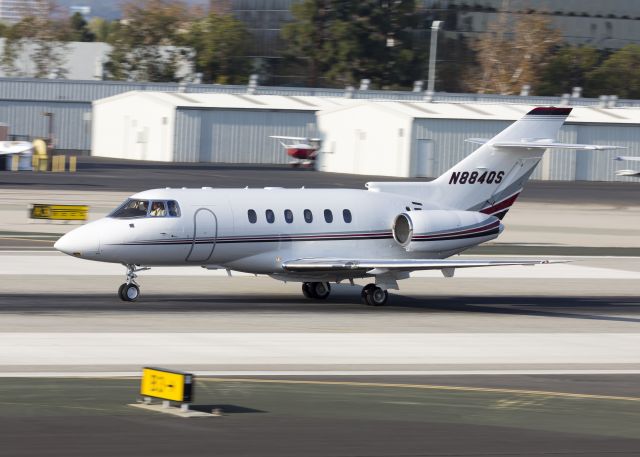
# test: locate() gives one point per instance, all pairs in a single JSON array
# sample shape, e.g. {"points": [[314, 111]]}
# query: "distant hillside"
{"points": [[108, 9]]}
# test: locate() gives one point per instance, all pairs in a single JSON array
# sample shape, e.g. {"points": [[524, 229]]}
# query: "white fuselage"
{"points": [[214, 229]]}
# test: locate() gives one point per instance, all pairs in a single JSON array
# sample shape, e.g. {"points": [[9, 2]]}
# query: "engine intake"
{"points": [[440, 230]]}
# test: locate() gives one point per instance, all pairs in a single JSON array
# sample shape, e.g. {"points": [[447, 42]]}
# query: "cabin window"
{"points": [[174, 209], [328, 216], [158, 209], [131, 208], [308, 216], [288, 216], [253, 217], [346, 215], [270, 216]]}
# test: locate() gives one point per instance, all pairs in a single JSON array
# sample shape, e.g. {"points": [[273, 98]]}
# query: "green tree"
{"points": [[79, 29], [219, 42], [100, 28], [619, 74], [344, 42], [567, 69], [145, 41]]}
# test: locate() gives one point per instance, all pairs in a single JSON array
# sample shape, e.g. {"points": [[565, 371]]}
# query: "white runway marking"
{"points": [[135, 374], [308, 349], [59, 264]]}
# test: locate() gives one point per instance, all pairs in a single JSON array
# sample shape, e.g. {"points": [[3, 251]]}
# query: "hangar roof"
{"points": [[235, 101], [416, 110], [485, 111]]}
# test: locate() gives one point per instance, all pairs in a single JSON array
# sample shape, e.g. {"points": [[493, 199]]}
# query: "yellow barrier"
{"points": [[59, 212], [72, 164], [15, 162], [58, 163], [166, 385]]}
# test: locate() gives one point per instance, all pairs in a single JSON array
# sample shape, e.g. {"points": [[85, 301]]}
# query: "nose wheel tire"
{"points": [[375, 296], [129, 292], [316, 290]]}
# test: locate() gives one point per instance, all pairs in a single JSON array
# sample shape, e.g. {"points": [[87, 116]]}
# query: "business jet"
{"points": [[303, 149], [323, 236], [634, 173]]}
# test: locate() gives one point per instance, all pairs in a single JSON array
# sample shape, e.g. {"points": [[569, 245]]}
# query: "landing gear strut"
{"points": [[130, 290], [316, 290], [373, 295]]}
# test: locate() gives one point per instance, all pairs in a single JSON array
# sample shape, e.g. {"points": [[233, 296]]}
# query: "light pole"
{"points": [[432, 57]]}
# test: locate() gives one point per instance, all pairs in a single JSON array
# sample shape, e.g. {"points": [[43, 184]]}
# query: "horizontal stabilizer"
{"points": [[320, 265], [628, 173], [295, 138], [632, 158], [545, 143]]}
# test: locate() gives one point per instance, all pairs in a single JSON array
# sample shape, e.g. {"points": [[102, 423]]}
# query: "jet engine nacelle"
{"points": [[441, 230]]}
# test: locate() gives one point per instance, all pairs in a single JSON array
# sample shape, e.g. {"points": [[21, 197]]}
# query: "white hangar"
{"points": [[419, 139], [200, 127]]}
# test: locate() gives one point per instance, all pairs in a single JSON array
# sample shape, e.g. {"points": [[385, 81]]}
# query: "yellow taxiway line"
{"points": [[428, 387]]}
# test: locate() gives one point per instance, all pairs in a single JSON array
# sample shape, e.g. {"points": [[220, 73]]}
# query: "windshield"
{"points": [[146, 208]]}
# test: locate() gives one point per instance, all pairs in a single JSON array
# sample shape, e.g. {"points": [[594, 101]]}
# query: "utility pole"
{"points": [[435, 26]]}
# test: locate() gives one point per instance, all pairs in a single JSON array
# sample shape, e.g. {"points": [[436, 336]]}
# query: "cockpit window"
{"points": [[131, 208], [158, 209], [145, 208]]}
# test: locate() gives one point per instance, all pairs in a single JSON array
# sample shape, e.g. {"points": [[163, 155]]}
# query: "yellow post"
{"points": [[72, 164], [15, 162]]}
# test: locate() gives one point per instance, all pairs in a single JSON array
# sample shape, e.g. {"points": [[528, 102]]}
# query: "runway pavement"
{"points": [[538, 360]]}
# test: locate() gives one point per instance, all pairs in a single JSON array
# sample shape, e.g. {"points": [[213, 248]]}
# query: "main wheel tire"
{"points": [[130, 292], [365, 291], [320, 290], [307, 290], [121, 291], [377, 296]]}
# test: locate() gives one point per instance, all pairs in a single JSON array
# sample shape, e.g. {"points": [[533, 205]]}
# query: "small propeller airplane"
{"points": [[633, 173], [323, 236], [304, 149]]}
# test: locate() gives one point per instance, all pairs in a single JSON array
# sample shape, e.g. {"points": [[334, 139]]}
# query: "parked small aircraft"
{"points": [[304, 150], [634, 173], [319, 236]]}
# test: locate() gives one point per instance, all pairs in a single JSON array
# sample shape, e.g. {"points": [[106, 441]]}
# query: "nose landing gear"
{"points": [[130, 290]]}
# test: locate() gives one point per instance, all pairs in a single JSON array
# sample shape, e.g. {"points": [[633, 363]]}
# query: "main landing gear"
{"points": [[373, 295], [130, 290], [316, 290]]}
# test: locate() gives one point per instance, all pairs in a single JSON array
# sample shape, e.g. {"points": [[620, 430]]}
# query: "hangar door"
{"points": [[425, 159]]}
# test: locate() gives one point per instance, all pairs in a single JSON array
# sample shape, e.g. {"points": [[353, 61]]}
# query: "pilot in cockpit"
{"points": [[157, 209]]}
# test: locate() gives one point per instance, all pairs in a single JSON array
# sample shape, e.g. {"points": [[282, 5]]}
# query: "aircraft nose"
{"points": [[80, 242]]}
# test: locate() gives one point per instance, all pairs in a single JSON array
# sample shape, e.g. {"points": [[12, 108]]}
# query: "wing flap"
{"points": [[376, 266]]}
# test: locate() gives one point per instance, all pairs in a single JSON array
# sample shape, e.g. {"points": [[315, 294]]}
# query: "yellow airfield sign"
{"points": [[166, 384], [59, 212]]}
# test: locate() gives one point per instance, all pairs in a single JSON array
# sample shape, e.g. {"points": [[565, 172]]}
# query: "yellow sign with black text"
{"points": [[166, 384], [59, 212]]}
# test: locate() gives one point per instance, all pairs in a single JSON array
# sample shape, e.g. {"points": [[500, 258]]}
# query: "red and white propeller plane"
{"points": [[320, 236], [303, 149]]}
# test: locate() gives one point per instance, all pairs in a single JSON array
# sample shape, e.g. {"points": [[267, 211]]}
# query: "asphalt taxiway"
{"points": [[538, 360]]}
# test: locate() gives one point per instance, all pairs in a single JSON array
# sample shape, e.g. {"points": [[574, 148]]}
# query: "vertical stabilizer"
{"points": [[491, 178]]}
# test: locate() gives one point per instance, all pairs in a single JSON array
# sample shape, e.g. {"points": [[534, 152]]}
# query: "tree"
{"points": [[344, 42], [144, 41], [79, 30], [511, 56], [619, 74], [43, 37], [219, 41], [567, 69]]}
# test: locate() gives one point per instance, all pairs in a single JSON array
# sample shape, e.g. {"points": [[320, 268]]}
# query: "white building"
{"points": [[12, 11], [190, 127], [417, 139]]}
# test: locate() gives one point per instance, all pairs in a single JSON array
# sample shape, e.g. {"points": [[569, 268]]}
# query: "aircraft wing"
{"points": [[382, 266], [295, 138], [628, 173], [633, 158]]}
